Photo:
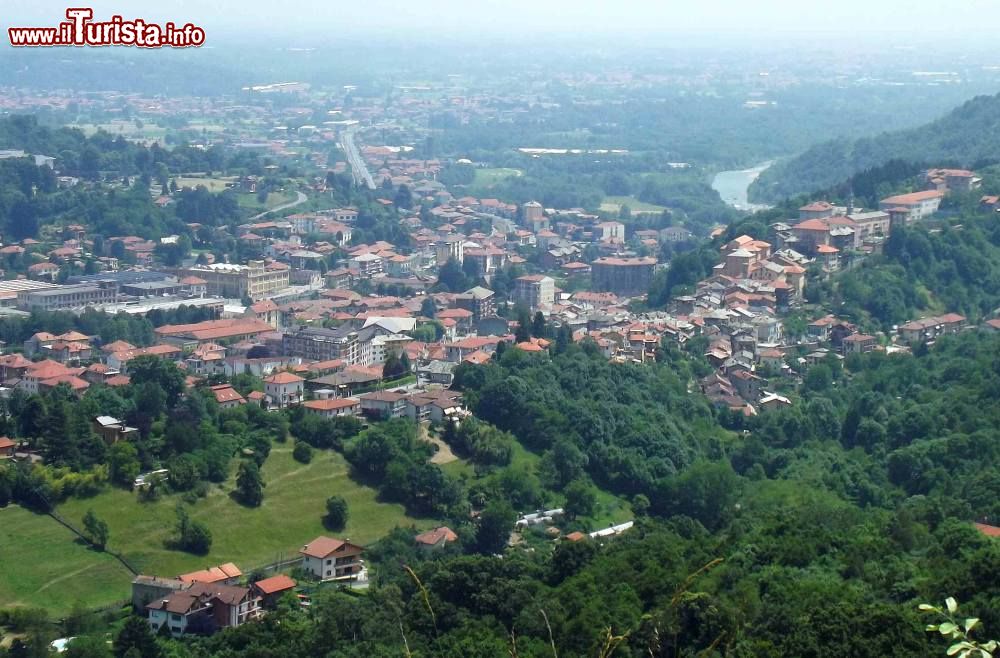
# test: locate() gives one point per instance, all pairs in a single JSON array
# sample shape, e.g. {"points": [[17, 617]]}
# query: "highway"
{"points": [[358, 167]]}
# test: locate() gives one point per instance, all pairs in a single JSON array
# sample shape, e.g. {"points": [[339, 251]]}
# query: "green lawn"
{"points": [[44, 566], [274, 199], [213, 184], [294, 503], [490, 176], [614, 204]]}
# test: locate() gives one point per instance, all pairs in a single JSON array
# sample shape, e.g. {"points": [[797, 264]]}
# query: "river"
{"points": [[732, 186]]}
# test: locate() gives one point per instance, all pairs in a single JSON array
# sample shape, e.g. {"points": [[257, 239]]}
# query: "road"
{"points": [[299, 200], [358, 167]]}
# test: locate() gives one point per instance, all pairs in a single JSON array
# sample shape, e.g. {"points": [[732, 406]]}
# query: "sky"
{"points": [[901, 20]]}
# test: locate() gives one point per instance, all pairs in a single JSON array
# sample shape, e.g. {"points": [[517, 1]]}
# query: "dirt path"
{"points": [[444, 455]]}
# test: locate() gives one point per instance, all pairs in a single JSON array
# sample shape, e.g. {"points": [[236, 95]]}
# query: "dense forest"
{"points": [[966, 135]]}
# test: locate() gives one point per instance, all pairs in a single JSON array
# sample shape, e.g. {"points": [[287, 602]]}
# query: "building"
{"points": [[283, 389], [622, 276], [231, 330], [535, 291], [224, 574], [913, 206], [927, 329], [113, 430], [270, 590], [436, 539], [333, 407], [328, 558], [67, 297], [367, 265], [951, 180], [383, 404], [203, 608], [858, 344], [318, 344], [479, 300], [227, 397], [253, 280], [7, 447]]}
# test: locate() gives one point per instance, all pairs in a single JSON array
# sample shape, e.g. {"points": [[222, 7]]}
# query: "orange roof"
{"points": [[275, 584], [283, 378], [331, 405], [988, 530], [435, 536], [212, 574], [323, 546], [912, 197]]}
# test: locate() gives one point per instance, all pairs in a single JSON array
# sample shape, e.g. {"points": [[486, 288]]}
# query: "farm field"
{"points": [[291, 515]]}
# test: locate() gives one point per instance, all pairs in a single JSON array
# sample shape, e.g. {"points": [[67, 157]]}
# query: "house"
{"points": [[927, 329], [270, 590], [113, 430], [436, 539], [383, 404], [283, 389], [334, 407], [328, 558], [203, 608], [858, 344], [227, 397], [146, 589], [225, 574], [7, 448]]}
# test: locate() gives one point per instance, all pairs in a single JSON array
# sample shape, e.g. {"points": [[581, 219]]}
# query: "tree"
{"points": [[393, 367], [336, 513], [135, 637], [302, 452], [249, 484], [404, 198], [192, 536], [123, 463], [452, 277], [428, 308], [581, 499], [495, 525], [538, 327], [97, 529]]}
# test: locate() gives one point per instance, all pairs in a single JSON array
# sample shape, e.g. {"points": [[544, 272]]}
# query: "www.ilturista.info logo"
{"points": [[81, 30]]}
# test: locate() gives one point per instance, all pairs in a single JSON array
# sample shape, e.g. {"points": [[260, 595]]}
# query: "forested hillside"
{"points": [[815, 531], [965, 136]]}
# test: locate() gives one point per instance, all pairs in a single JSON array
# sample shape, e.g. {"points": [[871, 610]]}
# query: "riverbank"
{"points": [[733, 186]]}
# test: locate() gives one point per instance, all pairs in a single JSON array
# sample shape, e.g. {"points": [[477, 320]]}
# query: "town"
{"points": [[494, 363]]}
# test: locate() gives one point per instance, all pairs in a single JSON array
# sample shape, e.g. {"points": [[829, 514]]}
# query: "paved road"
{"points": [[358, 167], [300, 199]]}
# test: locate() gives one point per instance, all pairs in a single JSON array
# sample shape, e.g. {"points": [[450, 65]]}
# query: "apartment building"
{"points": [[254, 280]]}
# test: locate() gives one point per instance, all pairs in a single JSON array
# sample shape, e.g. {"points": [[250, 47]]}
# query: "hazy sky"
{"points": [[904, 19]]}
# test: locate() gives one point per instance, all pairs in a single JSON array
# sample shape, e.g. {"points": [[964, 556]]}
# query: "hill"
{"points": [[966, 135]]}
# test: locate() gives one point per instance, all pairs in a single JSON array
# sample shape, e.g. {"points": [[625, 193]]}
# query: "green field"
{"points": [[294, 503], [213, 184], [274, 199], [44, 566], [614, 204], [490, 176]]}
